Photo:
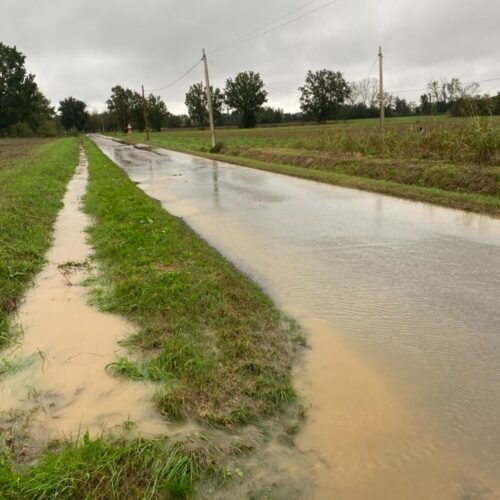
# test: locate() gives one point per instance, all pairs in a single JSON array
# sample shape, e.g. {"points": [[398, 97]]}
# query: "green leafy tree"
{"points": [[120, 104], [197, 104], [157, 112], [73, 113], [324, 91], [21, 102], [246, 95]]}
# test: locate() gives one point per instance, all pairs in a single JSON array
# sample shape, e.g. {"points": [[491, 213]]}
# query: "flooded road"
{"points": [[402, 304]]}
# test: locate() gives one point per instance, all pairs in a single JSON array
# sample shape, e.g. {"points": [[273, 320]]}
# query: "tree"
{"points": [[197, 104], [269, 114], [120, 104], [21, 102], [196, 101], [157, 112], [323, 93], [246, 95], [73, 113], [401, 107]]}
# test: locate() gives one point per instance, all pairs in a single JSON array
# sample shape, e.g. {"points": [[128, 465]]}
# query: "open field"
{"points": [[218, 350], [452, 162]]}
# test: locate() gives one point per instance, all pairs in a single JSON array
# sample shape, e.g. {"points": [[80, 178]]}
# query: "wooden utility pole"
{"points": [[145, 110], [381, 90], [209, 99]]}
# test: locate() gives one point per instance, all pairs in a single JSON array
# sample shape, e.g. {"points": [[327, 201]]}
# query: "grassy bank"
{"points": [[219, 351], [214, 341], [451, 162], [33, 178]]}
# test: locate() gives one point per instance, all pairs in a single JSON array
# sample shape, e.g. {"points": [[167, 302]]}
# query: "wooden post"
{"points": [[209, 99], [381, 90], [145, 110]]}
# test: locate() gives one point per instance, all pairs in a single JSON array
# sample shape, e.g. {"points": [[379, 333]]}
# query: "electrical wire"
{"points": [[279, 26], [223, 46], [178, 79]]}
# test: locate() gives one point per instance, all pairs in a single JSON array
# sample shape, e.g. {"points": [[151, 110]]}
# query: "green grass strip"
{"points": [[220, 350], [31, 192], [115, 469]]}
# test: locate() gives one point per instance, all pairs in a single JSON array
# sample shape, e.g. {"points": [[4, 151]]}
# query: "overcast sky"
{"points": [[84, 47]]}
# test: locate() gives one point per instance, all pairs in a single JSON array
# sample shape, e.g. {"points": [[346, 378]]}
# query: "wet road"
{"points": [[402, 302]]}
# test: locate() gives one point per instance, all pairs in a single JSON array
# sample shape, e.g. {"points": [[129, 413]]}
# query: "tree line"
{"points": [[325, 95]]}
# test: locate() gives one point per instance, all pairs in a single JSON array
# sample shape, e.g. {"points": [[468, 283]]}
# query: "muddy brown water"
{"points": [[67, 344], [401, 301]]}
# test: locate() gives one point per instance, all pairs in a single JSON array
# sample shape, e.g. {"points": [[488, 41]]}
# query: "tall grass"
{"points": [[107, 469], [476, 140]]}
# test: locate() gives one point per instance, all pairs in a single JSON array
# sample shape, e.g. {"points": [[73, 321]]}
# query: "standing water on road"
{"points": [[401, 301]]}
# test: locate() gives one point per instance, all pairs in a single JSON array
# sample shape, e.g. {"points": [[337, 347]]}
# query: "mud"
{"points": [[67, 344]]}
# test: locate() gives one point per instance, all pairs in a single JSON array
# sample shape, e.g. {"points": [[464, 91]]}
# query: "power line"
{"points": [[250, 33], [178, 79], [279, 26], [371, 69]]}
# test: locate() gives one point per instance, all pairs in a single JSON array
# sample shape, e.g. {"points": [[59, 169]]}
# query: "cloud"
{"points": [[84, 47]]}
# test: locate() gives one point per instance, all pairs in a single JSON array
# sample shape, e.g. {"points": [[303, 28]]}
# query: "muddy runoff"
{"points": [[66, 344], [400, 301]]}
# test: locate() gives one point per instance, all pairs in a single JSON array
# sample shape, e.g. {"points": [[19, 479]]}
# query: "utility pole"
{"points": [[381, 90], [145, 110], [209, 99]]}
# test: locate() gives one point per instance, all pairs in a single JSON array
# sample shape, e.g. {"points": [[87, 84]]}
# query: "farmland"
{"points": [[447, 161]]}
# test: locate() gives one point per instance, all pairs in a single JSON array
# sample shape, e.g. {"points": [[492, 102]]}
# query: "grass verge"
{"points": [[220, 349], [110, 468], [32, 183]]}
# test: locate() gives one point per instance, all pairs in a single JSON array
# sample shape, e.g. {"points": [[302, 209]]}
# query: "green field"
{"points": [[449, 161]]}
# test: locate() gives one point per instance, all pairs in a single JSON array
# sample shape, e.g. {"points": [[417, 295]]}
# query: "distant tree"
{"points": [[73, 114], [425, 107], [197, 104], [246, 95], [323, 93], [21, 102], [270, 115], [401, 107], [157, 112], [120, 104]]}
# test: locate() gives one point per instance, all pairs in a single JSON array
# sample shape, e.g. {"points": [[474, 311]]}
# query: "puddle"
{"points": [[365, 440], [402, 304], [69, 343]]}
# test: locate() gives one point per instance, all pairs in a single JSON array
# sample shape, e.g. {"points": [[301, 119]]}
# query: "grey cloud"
{"points": [[83, 48]]}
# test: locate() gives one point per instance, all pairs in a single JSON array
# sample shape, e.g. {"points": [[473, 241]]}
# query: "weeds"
{"points": [[107, 469], [11, 367]]}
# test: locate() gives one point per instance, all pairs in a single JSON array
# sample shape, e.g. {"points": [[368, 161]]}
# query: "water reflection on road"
{"points": [[402, 302]]}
